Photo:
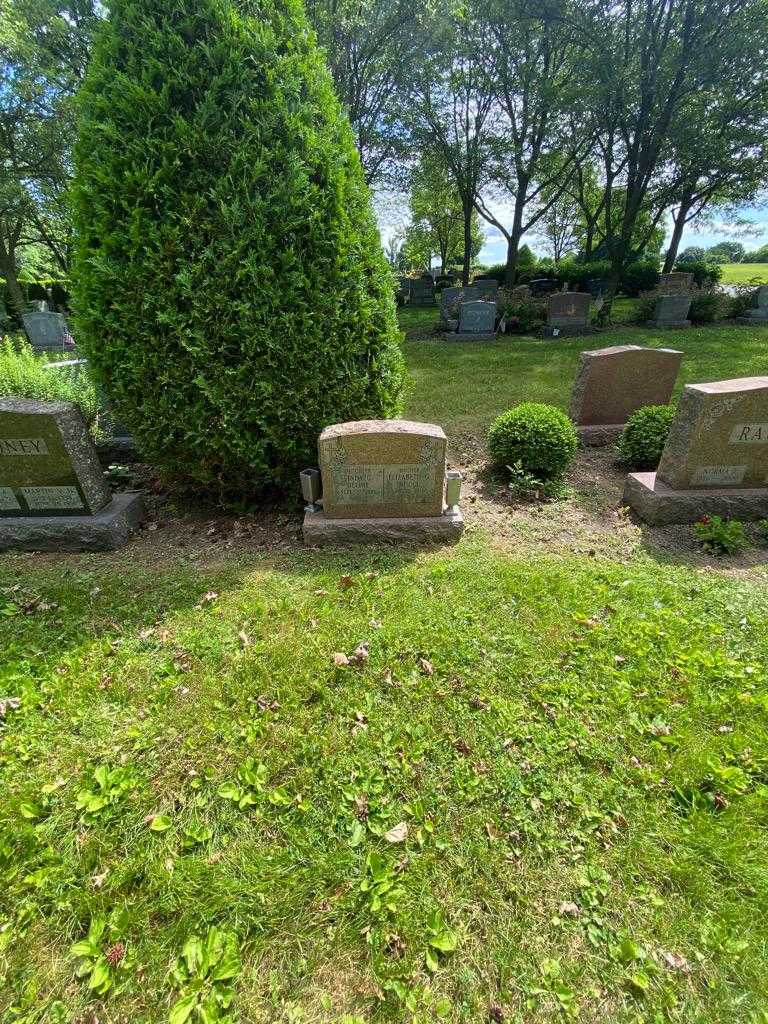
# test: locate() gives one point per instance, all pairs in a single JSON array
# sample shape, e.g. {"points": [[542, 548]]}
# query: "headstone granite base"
{"points": [[660, 505], [468, 336], [567, 332], [320, 531], [105, 530]]}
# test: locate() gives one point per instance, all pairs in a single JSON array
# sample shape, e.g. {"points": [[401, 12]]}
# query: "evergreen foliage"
{"points": [[536, 438], [229, 285]]}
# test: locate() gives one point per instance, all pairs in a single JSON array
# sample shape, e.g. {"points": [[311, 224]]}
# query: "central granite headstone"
{"points": [[671, 311], [612, 383], [452, 297], [48, 465], [715, 460], [675, 283], [568, 313], [476, 320], [382, 468], [422, 292]]}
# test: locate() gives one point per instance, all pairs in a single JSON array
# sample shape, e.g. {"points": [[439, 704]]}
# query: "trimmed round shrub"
{"points": [[642, 441], [229, 285], [538, 438]]}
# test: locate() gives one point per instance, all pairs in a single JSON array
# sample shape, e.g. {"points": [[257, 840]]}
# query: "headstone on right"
{"points": [[52, 490], [47, 332], [671, 311], [612, 383], [568, 314], [477, 320], [675, 283], [758, 314], [715, 460]]}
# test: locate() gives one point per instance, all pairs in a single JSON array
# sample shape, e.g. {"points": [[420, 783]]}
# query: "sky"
{"points": [[393, 217]]}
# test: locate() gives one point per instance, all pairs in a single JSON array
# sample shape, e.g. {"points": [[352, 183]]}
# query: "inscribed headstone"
{"points": [[48, 464], [719, 437], [382, 468], [568, 309]]}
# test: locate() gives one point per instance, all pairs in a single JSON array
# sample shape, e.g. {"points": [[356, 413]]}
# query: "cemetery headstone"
{"points": [[541, 286], [382, 479], [715, 460], [422, 291], [671, 311], [568, 314], [612, 383], [521, 291], [450, 299], [758, 314], [47, 332], [52, 490], [488, 288], [675, 283], [477, 320]]}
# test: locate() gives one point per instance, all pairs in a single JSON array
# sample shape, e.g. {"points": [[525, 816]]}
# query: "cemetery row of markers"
{"points": [[471, 313], [388, 479]]}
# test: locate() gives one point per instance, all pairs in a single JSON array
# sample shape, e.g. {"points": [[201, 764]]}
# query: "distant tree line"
{"points": [[589, 124]]}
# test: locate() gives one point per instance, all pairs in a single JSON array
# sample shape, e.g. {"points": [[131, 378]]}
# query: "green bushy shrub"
{"points": [[229, 285], [705, 273], [537, 438], [720, 536], [23, 375], [642, 441], [708, 306], [640, 276]]}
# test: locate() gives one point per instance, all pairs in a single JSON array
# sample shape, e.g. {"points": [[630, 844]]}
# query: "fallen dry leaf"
{"points": [[676, 962], [244, 639], [427, 668], [360, 654], [9, 704], [339, 658], [569, 909], [397, 834], [345, 582]]}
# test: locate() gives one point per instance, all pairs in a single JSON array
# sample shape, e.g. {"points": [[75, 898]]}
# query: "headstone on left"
{"points": [[382, 480], [715, 460], [612, 383], [47, 332], [422, 291], [53, 496]]}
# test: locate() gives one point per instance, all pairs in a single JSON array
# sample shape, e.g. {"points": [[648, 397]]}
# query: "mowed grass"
{"points": [[745, 273], [538, 793], [465, 385], [537, 790]]}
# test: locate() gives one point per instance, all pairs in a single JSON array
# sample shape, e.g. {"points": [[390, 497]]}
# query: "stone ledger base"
{"points": [[659, 505], [661, 324], [468, 336], [567, 332], [600, 434], [444, 529], [105, 531]]}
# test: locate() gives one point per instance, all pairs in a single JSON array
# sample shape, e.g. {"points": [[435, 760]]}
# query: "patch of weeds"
{"points": [[110, 787], [720, 536], [203, 976], [102, 955], [525, 486]]}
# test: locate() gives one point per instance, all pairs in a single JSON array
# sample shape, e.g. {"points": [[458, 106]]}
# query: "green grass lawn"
{"points": [[537, 792], [745, 273], [465, 385]]}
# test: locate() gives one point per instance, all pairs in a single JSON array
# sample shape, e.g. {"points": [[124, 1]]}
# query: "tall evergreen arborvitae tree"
{"points": [[229, 284]]}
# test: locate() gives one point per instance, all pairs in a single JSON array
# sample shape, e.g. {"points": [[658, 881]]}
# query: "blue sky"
{"points": [[495, 249]]}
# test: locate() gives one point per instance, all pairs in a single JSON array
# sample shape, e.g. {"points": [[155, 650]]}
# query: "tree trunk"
{"points": [[8, 271], [513, 245], [677, 234], [468, 209]]}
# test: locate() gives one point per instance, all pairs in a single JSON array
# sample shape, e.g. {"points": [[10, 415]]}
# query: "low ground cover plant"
{"points": [[720, 536], [643, 438], [534, 438]]}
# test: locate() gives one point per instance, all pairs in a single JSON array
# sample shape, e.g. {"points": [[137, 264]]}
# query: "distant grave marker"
{"points": [[567, 314]]}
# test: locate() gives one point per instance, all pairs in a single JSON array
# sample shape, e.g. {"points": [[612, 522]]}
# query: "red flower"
{"points": [[705, 520], [116, 953]]}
